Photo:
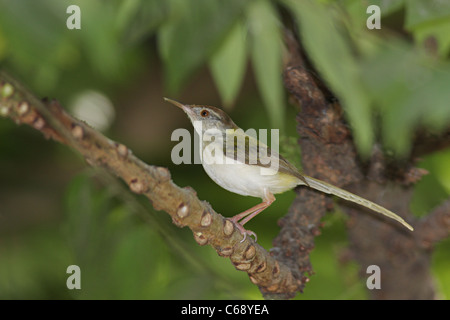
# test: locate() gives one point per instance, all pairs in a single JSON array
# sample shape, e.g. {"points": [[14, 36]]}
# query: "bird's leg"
{"points": [[244, 217]]}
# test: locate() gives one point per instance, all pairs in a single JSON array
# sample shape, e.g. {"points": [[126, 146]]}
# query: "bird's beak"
{"points": [[185, 107]]}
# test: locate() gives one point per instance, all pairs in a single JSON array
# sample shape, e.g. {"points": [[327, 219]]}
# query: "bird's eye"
{"points": [[204, 113]]}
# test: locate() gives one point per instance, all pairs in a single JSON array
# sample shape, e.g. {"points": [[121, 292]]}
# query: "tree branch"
{"points": [[182, 204], [435, 226], [328, 153]]}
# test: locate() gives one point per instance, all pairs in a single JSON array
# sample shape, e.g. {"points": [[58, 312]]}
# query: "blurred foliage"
{"points": [[389, 81], [378, 72]]}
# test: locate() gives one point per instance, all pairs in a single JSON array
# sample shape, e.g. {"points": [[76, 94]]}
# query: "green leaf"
{"points": [[429, 21], [137, 19], [419, 11], [386, 6], [191, 34], [227, 64], [328, 48], [31, 38], [410, 90], [437, 32], [357, 9], [266, 53]]}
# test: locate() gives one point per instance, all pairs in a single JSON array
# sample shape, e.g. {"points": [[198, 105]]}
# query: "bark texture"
{"points": [[328, 153]]}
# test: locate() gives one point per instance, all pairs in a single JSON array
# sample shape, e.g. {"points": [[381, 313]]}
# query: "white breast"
{"points": [[244, 179]]}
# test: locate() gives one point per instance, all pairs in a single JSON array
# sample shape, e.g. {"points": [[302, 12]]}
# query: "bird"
{"points": [[242, 164]]}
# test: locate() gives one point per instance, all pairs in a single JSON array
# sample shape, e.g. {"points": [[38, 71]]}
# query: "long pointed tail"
{"points": [[330, 189]]}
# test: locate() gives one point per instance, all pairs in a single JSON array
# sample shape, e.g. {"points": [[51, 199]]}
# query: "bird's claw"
{"points": [[250, 233], [244, 231]]}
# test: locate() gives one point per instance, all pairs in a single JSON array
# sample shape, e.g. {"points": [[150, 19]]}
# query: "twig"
{"points": [[182, 204]]}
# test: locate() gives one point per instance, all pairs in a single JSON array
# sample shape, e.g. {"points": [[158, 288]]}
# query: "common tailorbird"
{"points": [[244, 165]]}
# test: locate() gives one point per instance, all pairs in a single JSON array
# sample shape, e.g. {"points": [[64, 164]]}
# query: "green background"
{"points": [[55, 211]]}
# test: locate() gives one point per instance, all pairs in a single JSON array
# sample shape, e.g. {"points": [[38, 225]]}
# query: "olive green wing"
{"points": [[247, 149]]}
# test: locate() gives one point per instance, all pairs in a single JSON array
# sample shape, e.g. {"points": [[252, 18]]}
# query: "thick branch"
{"points": [[435, 226], [324, 144], [426, 143], [329, 154], [155, 183]]}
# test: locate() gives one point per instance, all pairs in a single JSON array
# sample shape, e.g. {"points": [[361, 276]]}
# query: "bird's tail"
{"points": [[330, 189]]}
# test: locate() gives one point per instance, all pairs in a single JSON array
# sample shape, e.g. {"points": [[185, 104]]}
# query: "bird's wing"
{"points": [[254, 152]]}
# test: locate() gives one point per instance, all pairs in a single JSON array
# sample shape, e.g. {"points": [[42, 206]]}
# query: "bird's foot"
{"points": [[243, 231]]}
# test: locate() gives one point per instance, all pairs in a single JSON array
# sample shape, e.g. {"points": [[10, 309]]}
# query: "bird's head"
{"points": [[210, 118]]}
